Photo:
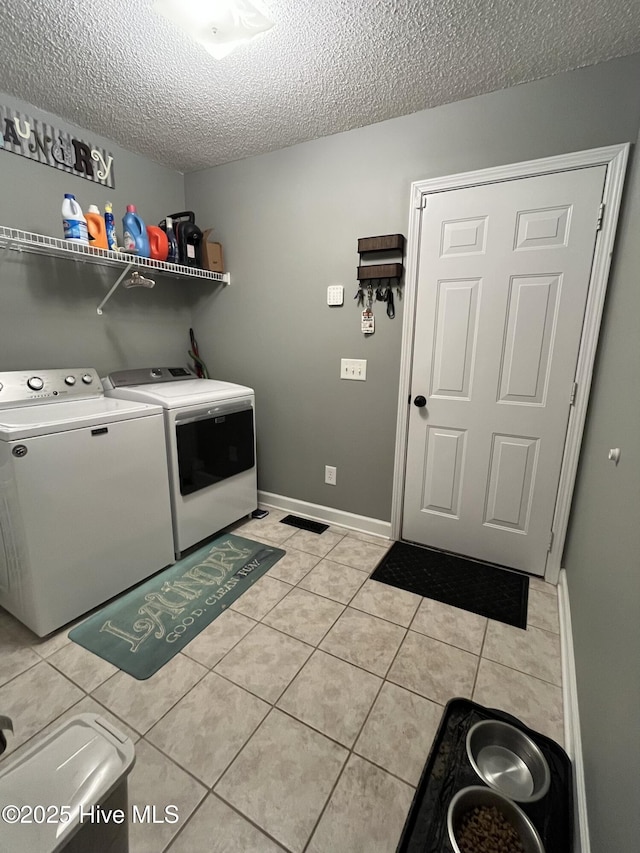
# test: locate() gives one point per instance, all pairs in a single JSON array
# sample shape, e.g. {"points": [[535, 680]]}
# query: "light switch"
{"points": [[353, 368]]}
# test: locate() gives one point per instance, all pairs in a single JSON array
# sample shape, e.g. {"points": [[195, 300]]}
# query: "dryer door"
{"points": [[214, 444]]}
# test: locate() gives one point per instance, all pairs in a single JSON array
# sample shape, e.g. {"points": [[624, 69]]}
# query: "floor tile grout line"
{"points": [[522, 672], [484, 638], [199, 803], [352, 752], [173, 761], [22, 672], [190, 772], [73, 681], [386, 769], [314, 728], [210, 668], [545, 630], [180, 831], [243, 687], [377, 616], [11, 753], [291, 588], [326, 802], [117, 716], [351, 597], [306, 574], [177, 763], [245, 817], [295, 637], [279, 630], [179, 699], [549, 592], [446, 642]]}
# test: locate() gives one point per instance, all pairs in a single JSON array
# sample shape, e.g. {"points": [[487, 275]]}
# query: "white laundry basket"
{"points": [[68, 786]]}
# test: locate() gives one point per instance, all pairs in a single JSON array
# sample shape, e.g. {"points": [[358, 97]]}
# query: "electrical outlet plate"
{"points": [[353, 368], [330, 474]]}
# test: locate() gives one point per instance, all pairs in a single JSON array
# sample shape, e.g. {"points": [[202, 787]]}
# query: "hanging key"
{"points": [[391, 308]]}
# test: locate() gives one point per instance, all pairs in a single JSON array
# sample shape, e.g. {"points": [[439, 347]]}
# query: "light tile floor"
{"points": [[301, 718]]}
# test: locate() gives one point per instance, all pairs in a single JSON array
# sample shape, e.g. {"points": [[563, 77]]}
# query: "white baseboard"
{"points": [[326, 514], [572, 737]]}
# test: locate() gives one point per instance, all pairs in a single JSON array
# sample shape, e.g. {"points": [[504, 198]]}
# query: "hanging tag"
{"points": [[368, 322]]}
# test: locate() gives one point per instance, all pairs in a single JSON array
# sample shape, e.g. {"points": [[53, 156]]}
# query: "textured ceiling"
{"points": [[116, 68]]}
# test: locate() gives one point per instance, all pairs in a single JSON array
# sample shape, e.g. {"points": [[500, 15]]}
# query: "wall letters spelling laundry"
{"points": [[43, 143]]}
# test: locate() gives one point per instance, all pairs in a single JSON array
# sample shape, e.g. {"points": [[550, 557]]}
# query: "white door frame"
{"points": [[615, 158]]}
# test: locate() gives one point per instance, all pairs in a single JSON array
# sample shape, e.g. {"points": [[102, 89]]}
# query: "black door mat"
{"points": [[482, 588], [304, 524], [448, 769]]}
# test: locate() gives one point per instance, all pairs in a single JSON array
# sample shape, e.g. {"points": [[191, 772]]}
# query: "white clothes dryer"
{"points": [[211, 449], [84, 495]]}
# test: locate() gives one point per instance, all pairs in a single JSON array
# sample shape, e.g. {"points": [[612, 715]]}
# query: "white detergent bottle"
{"points": [[73, 221]]}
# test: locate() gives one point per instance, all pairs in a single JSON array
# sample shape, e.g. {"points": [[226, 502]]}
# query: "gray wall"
{"points": [[289, 222], [48, 307], [602, 556]]}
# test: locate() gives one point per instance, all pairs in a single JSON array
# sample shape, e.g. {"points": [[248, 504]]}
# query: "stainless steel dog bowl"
{"points": [[468, 799], [508, 761]]}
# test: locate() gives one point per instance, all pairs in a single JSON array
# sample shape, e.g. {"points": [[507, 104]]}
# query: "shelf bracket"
{"points": [[119, 280], [7, 248]]}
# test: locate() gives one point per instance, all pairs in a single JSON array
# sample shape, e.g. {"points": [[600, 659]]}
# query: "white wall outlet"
{"points": [[353, 368], [330, 475]]}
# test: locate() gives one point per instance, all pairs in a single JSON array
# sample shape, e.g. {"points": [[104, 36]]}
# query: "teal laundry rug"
{"points": [[144, 628]]}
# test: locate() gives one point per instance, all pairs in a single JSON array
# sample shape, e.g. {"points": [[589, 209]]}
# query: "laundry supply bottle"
{"points": [[110, 227], [158, 243], [96, 228], [174, 255], [135, 233], [73, 221]]}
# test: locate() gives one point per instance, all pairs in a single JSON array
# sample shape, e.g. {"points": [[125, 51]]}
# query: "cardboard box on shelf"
{"points": [[212, 257]]}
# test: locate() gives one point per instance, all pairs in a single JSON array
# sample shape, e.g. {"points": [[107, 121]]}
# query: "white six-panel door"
{"points": [[503, 278]]}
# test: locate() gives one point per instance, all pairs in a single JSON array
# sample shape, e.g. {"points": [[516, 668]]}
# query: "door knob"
{"points": [[420, 401]]}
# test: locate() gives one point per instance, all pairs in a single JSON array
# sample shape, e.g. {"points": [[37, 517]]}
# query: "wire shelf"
{"points": [[26, 241]]}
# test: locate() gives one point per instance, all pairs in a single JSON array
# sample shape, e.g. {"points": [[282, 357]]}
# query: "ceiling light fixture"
{"points": [[218, 25]]}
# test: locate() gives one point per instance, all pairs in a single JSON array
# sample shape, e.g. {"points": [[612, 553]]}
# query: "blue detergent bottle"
{"points": [[110, 227], [135, 233]]}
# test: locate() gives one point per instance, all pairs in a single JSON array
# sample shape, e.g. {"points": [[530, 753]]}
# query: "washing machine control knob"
{"points": [[35, 383], [87, 378], [69, 380]]}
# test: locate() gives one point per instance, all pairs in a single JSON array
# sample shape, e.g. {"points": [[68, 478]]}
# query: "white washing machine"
{"points": [[211, 451], [84, 495]]}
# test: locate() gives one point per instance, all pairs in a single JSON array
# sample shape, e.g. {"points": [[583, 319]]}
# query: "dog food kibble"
{"points": [[485, 829]]}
